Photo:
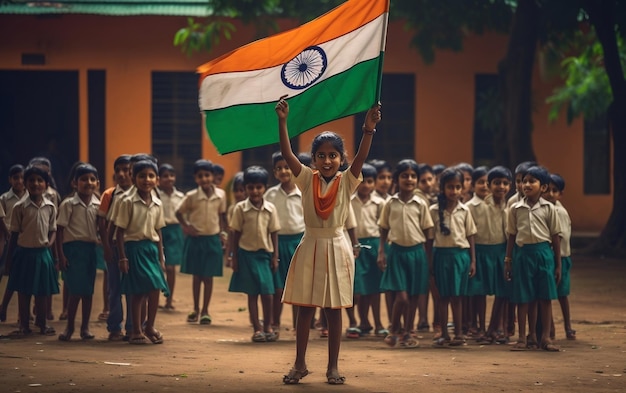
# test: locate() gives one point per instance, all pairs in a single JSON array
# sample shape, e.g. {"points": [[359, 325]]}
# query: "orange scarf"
{"points": [[324, 205]]}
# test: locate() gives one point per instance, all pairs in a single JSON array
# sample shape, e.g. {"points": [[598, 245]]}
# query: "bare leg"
{"points": [[546, 317], [522, 313], [41, 305], [390, 299], [375, 303], [267, 305], [65, 298], [170, 271], [399, 309], [363, 308], [196, 293], [532, 322], [87, 302], [153, 307], [48, 309], [456, 302], [253, 311], [135, 303], [480, 304], [351, 318], [277, 308], [334, 340], [6, 299], [105, 293], [303, 324], [422, 307], [564, 302], [443, 316], [72, 308], [24, 310], [208, 290]]}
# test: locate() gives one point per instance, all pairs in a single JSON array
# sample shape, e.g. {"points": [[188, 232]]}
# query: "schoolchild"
{"points": [[533, 225], [138, 222], [405, 221], [202, 214], [77, 232], [437, 169], [467, 170], [453, 259], [321, 273], [554, 195], [173, 239], [288, 198], [520, 172], [29, 257], [218, 174], [255, 228], [426, 183]]}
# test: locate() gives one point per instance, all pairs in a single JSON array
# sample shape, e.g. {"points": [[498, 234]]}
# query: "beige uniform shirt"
{"points": [[490, 220], [566, 229], [461, 225], [53, 196], [170, 204], [514, 199], [406, 222], [33, 223], [419, 193], [289, 206], [140, 220], [534, 224], [338, 218], [202, 212], [78, 219], [255, 225], [7, 201], [367, 215]]}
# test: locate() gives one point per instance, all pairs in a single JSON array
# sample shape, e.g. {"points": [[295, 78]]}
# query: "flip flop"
{"points": [[294, 376], [156, 337], [205, 319], [409, 342], [259, 337], [47, 331], [65, 336], [550, 347], [138, 340], [571, 334], [86, 335], [391, 340], [103, 316], [353, 332], [457, 342], [335, 379], [519, 346], [192, 317]]}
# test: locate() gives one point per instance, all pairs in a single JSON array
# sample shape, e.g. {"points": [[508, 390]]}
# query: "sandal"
{"points": [[409, 342], [550, 347], [47, 331], [391, 340], [335, 379], [324, 333], [155, 337], [457, 342], [138, 340], [65, 336], [382, 332], [519, 346], [63, 316], [353, 332], [532, 345], [423, 327], [294, 376], [103, 316], [192, 317], [116, 336], [205, 319], [570, 334], [486, 340], [259, 337], [365, 331], [86, 335]]}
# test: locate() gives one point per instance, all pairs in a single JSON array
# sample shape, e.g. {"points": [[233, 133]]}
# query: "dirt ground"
{"points": [[221, 357]]}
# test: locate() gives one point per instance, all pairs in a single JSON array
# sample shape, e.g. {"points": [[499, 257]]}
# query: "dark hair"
{"points": [[558, 181], [143, 157], [522, 167], [277, 156], [39, 161], [540, 173], [305, 158], [446, 176], [328, 136], [83, 169], [166, 168], [218, 169], [368, 171], [465, 167], [36, 170], [438, 168], [380, 165], [478, 173], [255, 174], [202, 165], [237, 179], [15, 169], [403, 165], [498, 172], [424, 168], [144, 164], [121, 160]]}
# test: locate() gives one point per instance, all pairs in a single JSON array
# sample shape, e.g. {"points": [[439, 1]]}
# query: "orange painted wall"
{"points": [[130, 48]]}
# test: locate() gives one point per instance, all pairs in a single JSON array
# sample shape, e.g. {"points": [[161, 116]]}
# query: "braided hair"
{"points": [[446, 176]]}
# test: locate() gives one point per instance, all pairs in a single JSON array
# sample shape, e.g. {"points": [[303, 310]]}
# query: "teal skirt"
{"points": [[287, 245], [533, 273], [564, 285], [203, 256], [451, 268], [101, 264], [254, 273], [80, 275], [489, 277], [144, 269], [407, 270], [173, 244], [367, 274], [33, 272]]}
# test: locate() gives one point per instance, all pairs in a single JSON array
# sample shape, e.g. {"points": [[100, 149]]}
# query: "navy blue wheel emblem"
{"points": [[304, 69]]}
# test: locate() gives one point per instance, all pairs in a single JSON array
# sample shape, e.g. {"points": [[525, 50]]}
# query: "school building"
{"points": [[87, 80]]}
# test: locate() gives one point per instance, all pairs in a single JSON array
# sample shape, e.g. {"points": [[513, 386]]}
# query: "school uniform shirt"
{"points": [[536, 224], [423, 196], [2, 214], [79, 219], [406, 221], [170, 204], [255, 225], [290, 213], [490, 220], [7, 201], [53, 196], [203, 212], [566, 229], [33, 223], [140, 220], [461, 225], [514, 199], [367, 214]]}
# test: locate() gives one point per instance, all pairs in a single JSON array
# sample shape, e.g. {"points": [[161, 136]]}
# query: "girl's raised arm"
{"points": [[371, 119], [282, 110]]}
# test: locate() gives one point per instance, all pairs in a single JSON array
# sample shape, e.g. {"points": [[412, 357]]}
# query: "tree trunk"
{"points": [[515, 73], [601, 13]]}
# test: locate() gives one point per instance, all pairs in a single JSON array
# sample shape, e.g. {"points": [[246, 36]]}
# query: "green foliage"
{"points": [[202, 36], [586, 90]]}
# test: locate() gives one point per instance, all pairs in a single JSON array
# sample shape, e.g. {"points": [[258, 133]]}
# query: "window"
{"points": [[177, 123], [597, 165], [397, 132], [486, 118]]}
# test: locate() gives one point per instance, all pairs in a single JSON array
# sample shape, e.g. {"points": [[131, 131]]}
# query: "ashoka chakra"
{"points": [[304, 69]]}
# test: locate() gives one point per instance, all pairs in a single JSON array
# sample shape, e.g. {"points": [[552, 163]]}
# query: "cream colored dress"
{"points": [[321, 273]]}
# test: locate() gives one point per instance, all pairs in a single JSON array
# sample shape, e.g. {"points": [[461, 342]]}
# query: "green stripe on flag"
{"points": [[245, 126]]}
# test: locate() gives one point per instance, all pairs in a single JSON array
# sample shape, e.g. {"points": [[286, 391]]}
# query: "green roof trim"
{"points": [[197, 8]]}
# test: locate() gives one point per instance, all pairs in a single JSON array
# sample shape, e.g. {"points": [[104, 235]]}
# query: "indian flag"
{"points": [[330, 68]]}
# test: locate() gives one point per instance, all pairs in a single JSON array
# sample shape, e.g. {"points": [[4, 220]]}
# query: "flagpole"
{"points": [[383, 41]]}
